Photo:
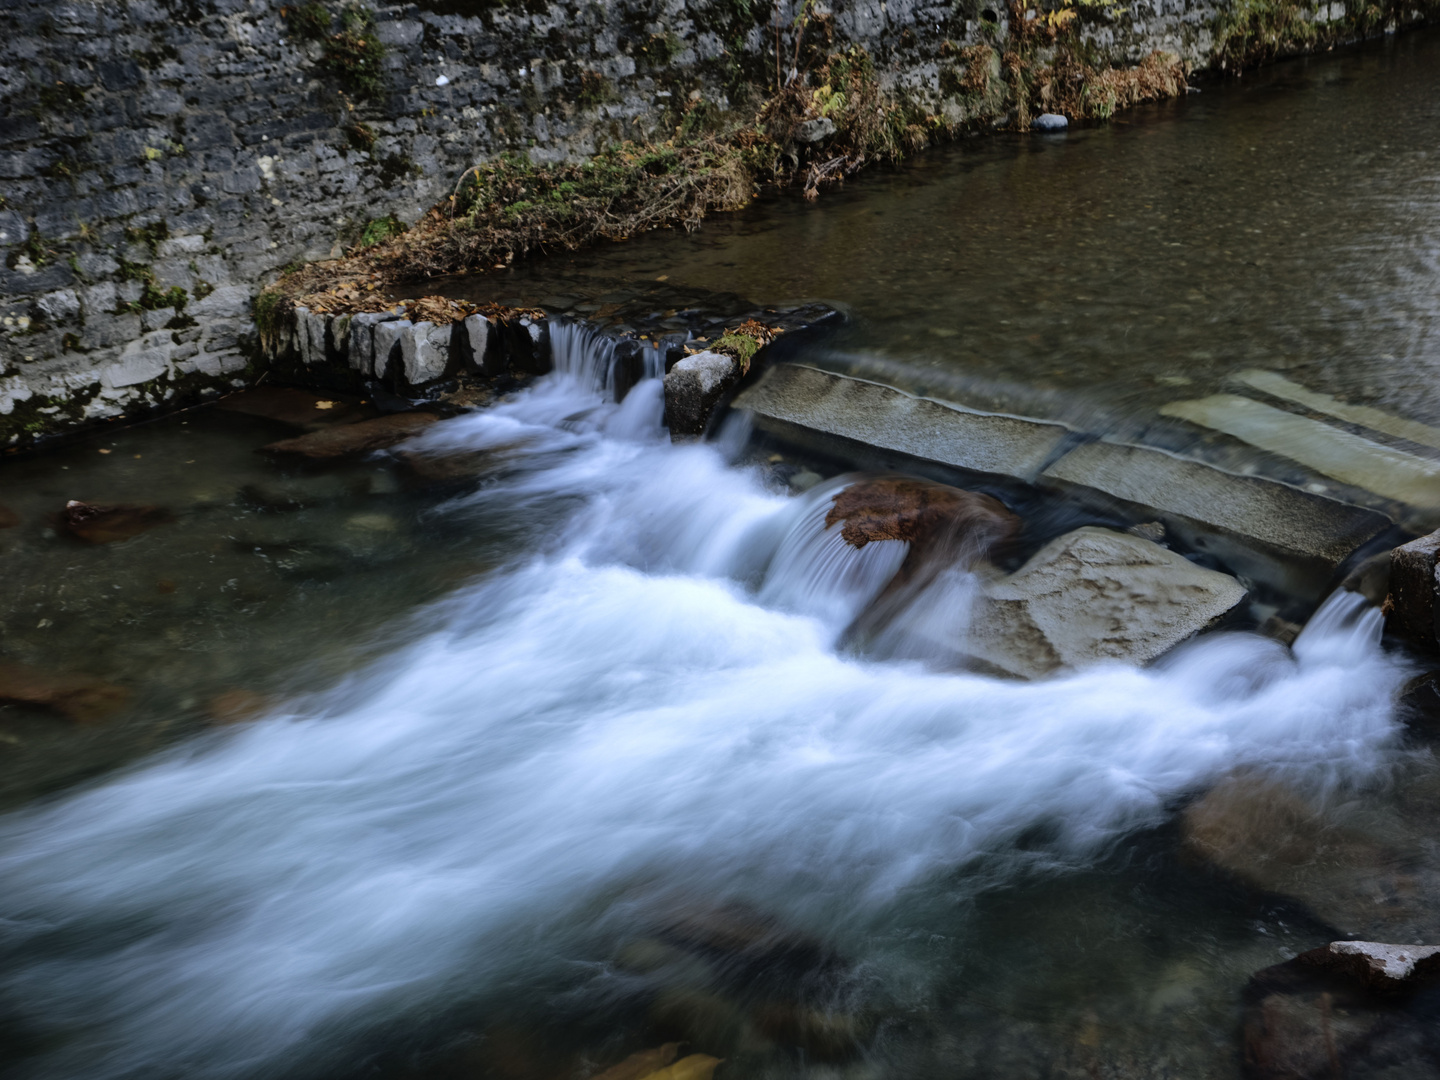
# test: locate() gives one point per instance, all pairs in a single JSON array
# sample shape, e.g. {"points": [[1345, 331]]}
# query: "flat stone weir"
{"points": [[399, 361], [797, 398], [1262, 529]]}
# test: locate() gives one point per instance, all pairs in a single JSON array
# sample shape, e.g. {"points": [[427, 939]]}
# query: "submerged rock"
{"points": [[297, 492], [1327, 1011], [238, 706], [77, 697], [302, 409], [1094, 595], [96, 524], [353, 440], [1266, 835], [8, 518]]}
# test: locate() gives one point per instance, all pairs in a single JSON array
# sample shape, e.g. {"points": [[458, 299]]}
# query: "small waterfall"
{"points": [[816, 572], [602, 363]]}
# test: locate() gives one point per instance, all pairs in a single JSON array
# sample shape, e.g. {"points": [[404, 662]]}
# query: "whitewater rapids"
{"points": [[655, 701]]}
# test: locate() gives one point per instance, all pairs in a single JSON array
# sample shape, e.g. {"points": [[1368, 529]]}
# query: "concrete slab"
{"points": [[799, 396], [1262, 529], [1349, 458], [1277, 385]]}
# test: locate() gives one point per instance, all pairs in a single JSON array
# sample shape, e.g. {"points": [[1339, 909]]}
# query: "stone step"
{"points": [[795, 401], [1262, 529], [1351, 459], [1276, 385]]}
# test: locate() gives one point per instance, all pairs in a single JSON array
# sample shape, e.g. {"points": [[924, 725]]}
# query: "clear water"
{"points": [[566, 761]]}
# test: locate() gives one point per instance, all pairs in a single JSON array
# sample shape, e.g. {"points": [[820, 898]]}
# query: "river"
{"points": [[576, 761]]}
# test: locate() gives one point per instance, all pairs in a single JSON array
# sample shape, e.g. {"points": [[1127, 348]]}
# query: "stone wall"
{"points": [[163, 160]]}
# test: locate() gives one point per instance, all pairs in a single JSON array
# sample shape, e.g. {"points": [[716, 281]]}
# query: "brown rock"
{"points": [[237, 706], [75, 696], [824, 1036], [1267, 836], [921, 512], [1410, 607], [96, 524], [8, 518], [945, 526], [299, 408], [1305, 1036], [352, 440], [1313, 1015]]}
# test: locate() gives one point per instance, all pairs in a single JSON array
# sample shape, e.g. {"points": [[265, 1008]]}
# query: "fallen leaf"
{"points": [[693, 1067], [642, 1064], [324, 404], [104, 451]]}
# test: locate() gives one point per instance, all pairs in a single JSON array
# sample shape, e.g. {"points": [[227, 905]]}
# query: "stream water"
{"points": [[570, 760]]}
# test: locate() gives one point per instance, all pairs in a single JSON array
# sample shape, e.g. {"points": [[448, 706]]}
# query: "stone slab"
{"points": [[1262, 528], [1276, 385], [1414, 592], [1095, 595], [881, 416], [1349, 458]]}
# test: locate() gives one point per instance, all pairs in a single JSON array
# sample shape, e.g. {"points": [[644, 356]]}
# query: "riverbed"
{"points": [[519, 776]]}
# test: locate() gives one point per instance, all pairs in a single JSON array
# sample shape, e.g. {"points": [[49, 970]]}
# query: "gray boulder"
{"points": [[1050, 122], [694, 387], [425, 352], [1094, 595], [387, 344]]}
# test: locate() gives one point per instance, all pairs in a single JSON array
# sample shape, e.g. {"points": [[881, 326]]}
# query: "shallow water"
{"points": [[643, 717], [573, 759]]}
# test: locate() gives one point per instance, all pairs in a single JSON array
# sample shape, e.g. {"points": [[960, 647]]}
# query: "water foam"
{"points": [[655, 701]]}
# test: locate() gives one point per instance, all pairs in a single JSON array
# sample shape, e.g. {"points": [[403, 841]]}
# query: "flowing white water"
{"points": [[653, 703]]}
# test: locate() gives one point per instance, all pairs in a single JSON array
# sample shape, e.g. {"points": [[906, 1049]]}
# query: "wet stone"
{"points": [[1270, 838], [238, 706], [1094, 595], [1339, 1010], [296, 493], [920, 512], [75, 697], [1411, 610], [798, 403], [694, 387], [1260, 528], [97, 524], [353, 440], [8, 518]]}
